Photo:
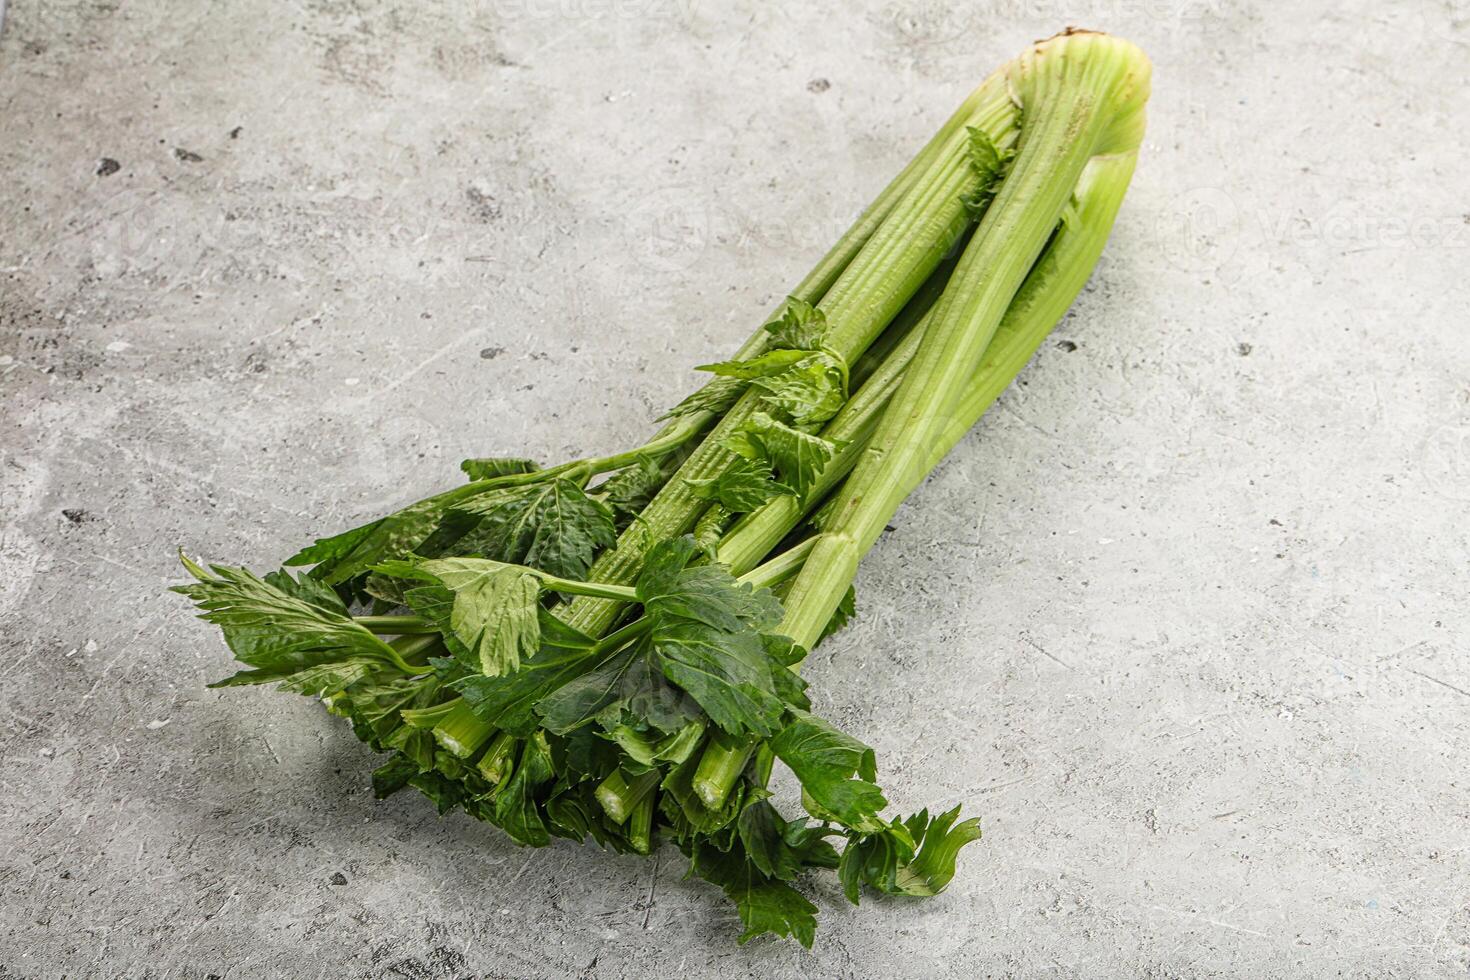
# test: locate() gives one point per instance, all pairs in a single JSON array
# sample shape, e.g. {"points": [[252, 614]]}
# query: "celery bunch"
{"points": [[608, 647]]}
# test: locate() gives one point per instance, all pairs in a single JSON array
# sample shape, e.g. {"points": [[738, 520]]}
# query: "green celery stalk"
{"points": [[462, 732], [619, 797], [903, 252], [1048, 290], [495, 764], [1082, 96]]}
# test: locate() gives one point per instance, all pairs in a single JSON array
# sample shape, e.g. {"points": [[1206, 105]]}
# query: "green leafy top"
{"points": [[762, 365], [991, 164], [278, 625], [796, 457], [486, 610], [552, 526], [704, 657], [766, 904], [345, 556], [510, 702], [626, 690], [800, 326], [986, 158], [547, 522], [808, 392], [671, 589], [915, 857], [704, 650], [802, 380], [630, 489], [837, 772], [491, 467], [717, 397], [742, 486]]}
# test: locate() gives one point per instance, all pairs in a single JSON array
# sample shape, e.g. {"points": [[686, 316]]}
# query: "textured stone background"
{"points": [[1184, 619]]}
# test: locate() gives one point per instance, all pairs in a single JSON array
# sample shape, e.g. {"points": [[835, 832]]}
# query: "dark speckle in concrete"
{"points": [[484, 206]]}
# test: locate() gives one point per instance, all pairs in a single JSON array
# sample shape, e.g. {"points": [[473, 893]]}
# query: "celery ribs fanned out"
{"points": [[609, 648]]}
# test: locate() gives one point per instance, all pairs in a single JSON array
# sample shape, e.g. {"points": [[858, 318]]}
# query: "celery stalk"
{"points": [[921, 428]]}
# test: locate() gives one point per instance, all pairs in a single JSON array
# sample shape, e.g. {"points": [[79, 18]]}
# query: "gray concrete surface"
{"points": [[1184, 620]]}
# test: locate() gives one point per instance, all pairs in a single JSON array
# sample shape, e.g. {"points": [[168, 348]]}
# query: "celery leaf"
{"points": [[552, 526], [490, 467], [800, 326], [836, 771], [765, 905], [670, 589], [271, 629], [516, 810], [782, 848], [495, 612], [809, 391], [717, 398], [760, 366], [742, 486], [509, 702], [728, 674], [915, 857], [797, 457], [630, 489]]}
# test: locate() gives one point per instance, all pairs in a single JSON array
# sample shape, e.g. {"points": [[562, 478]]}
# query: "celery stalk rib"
{"points": [[1072, 90], [877, 282]]}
